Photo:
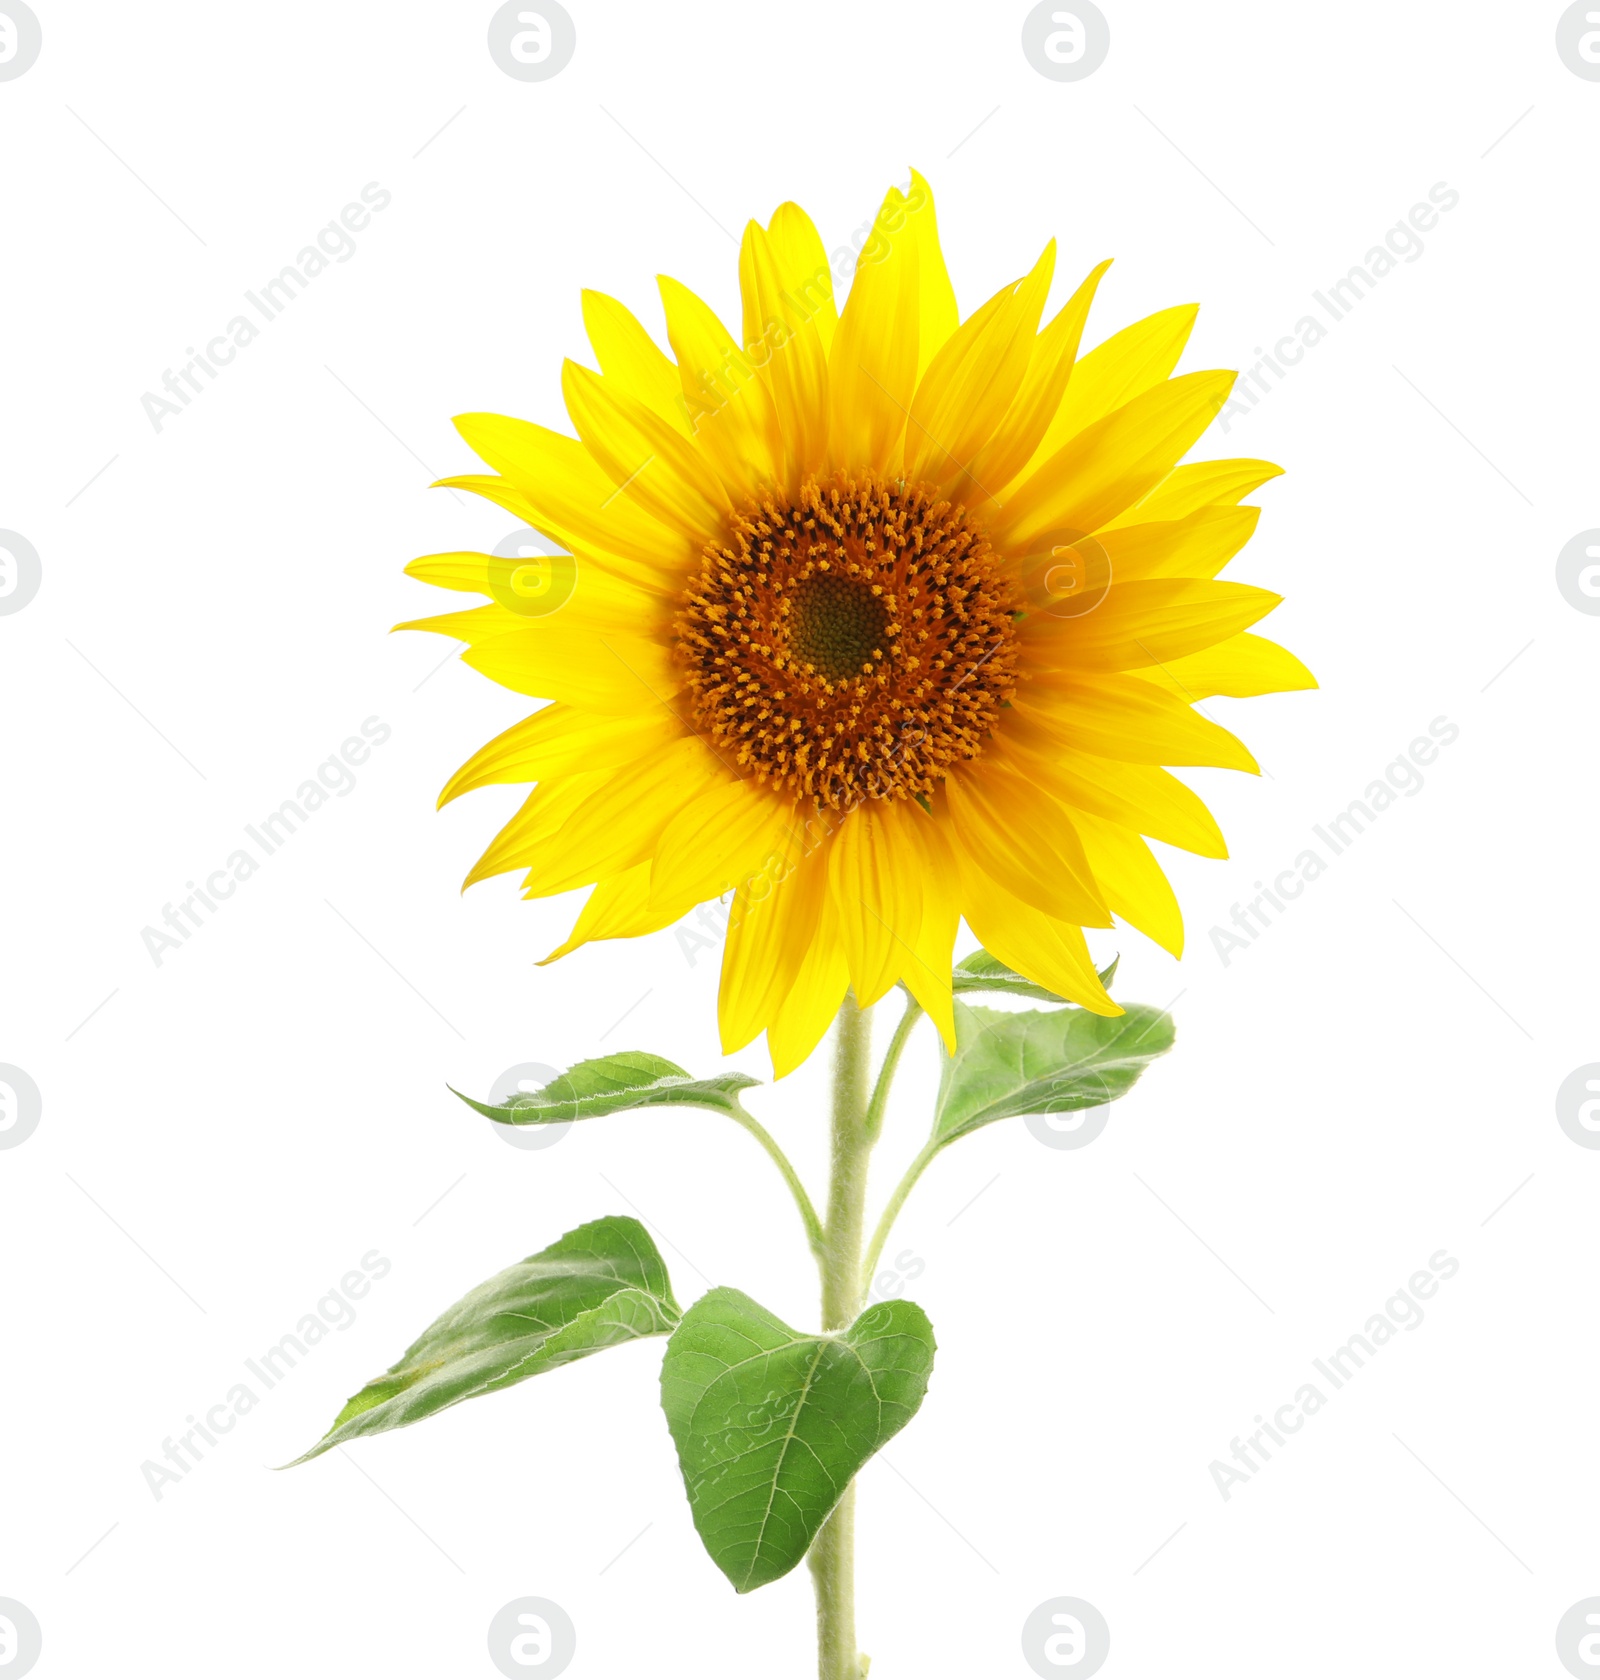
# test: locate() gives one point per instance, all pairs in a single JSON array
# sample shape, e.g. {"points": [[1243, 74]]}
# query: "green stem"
{"points": [[892, 1211], [891, 1061], [832, 1557], [847, 1185], [833, 1571], [802, 1200]]}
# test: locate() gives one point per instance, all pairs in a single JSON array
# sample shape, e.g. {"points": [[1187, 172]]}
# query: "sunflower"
{"points": [[876, 618]]}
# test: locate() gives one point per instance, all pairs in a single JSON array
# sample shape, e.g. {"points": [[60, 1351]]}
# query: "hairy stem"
{"points": [[892, 1211], [891, 1061], [833, 1571], [832, 1556], [808, 1212]]}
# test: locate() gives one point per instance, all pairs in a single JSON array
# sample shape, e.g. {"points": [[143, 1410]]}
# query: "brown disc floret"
{"points": [[851, 643]]}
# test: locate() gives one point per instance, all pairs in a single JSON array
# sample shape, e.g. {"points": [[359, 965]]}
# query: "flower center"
{"points": [[852, 643], [837, 625]]}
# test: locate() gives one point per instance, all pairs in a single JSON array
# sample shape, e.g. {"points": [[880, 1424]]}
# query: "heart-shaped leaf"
{"points": [[771, 1425], [609, 1084], [982, 973], [1037, 1061], [600, 1285]]}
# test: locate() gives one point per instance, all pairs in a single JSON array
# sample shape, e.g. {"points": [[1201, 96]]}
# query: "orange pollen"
{"points": [[852, 643]]}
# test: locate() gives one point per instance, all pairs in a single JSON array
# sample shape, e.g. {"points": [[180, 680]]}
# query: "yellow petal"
{"points": [[593, 593], [618, 908], [1047, 951], [1199, 484], [1134, 360], [926, 969], [1019, 434], [803, 270], [648, 462], [970, 384], [1241, 667], [1132, 880], [561, 741], [937, 314], [730, 833], [1105, 469], [771, 929], [872, 367], [877, 888], [630, 360], [1123, 718], [536, 510], [561, 658], [793, 363], [1145, 624], [1198, 546], [462, 570], [618, 824], [1139, 796], [732, 414], [554, 484], [1019, 836], [539, 817], [797, 1026]]}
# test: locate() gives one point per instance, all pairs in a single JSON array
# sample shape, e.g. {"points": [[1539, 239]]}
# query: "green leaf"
{"points": [[1036, 1061], [609, 1084], [771, 1425], [982, 973], [599, 1286]]}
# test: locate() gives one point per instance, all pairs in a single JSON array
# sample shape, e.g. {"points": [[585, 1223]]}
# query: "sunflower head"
{"points": [[876, 618]]}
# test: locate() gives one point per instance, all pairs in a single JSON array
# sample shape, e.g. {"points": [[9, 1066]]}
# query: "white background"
{"points": [[226, 1134]]}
